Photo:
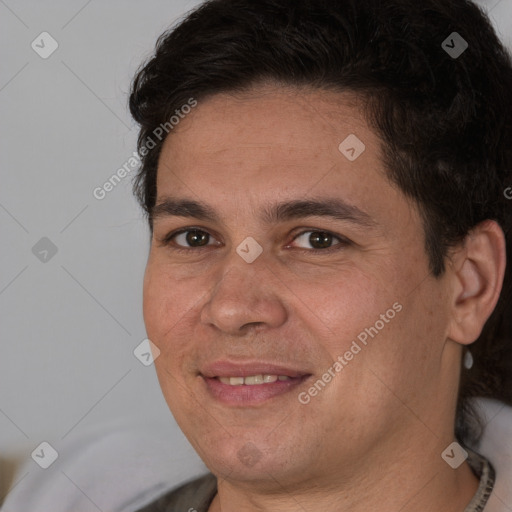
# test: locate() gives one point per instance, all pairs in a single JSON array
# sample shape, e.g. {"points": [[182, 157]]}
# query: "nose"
{"points": [[245, 297]]}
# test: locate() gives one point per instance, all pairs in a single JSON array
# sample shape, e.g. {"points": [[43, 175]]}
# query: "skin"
{"points": [[373, 438]]}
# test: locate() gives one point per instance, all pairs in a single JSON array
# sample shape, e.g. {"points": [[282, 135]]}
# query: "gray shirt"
{"points": [[197, 495]]}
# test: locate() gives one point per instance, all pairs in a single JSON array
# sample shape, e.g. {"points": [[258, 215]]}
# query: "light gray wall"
{"points": [[69, 325]]}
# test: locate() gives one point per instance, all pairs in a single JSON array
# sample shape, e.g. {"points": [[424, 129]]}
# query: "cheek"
{"points": [[406, 355], [165, 304], [166, 301], [350, 303], [374, 319]]}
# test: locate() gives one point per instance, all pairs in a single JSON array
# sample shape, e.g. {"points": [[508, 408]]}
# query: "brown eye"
{"points": [[196, 238], [187, 239], [318, 239]]}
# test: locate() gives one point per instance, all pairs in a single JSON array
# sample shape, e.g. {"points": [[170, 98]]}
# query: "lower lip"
{"points": [[250, 395]]}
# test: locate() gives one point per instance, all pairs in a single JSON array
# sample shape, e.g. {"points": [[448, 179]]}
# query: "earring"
{"points": [[468, 360]]}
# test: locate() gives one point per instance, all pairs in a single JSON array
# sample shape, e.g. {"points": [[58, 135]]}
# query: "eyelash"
{"points": [[343, 242]]}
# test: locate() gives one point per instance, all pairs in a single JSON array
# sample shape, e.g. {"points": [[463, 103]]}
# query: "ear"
{"points": [[477, 268]]}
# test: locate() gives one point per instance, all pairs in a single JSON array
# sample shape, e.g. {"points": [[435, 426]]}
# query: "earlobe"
{"points": [[477, 272]]}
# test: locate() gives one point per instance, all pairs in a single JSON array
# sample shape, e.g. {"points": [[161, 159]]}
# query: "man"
{"points": [[324, 182]]}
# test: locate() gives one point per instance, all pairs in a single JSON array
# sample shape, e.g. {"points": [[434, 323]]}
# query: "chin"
{"points": [[249, 462]]}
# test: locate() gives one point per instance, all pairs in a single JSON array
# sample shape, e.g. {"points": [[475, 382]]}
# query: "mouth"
{"points": [[245, 384], [253, 380]]}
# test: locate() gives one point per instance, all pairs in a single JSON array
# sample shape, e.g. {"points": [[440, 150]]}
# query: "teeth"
{"points": [[232, 381], [252, 380]]}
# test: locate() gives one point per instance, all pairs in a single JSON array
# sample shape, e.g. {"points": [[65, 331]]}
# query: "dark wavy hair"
{"points": [[444, 122]]}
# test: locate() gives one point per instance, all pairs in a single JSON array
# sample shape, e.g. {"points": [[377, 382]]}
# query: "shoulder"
{"points": [[193, 496]]}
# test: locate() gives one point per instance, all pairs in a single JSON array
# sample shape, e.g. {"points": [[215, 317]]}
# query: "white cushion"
{"points": [[116, 467], [496, 446]]}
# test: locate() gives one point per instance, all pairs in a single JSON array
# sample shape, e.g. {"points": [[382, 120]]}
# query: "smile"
{"points": [[250, 383], [253, 380]]}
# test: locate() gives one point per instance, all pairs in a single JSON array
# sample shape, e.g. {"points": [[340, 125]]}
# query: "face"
{"points": [[288, 291]]}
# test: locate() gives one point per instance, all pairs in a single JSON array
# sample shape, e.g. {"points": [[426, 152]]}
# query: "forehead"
{"points": [[269, 138]]}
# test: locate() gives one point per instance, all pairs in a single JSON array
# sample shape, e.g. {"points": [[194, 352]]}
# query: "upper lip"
{"points": [[226, 368]]}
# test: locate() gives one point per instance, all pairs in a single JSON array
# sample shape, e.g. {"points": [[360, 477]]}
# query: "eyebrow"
{"points": [[337, 209]]}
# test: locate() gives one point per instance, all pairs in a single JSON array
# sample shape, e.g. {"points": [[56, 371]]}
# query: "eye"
{"points": [[193, 238], [321, 240], [187, 239]]}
